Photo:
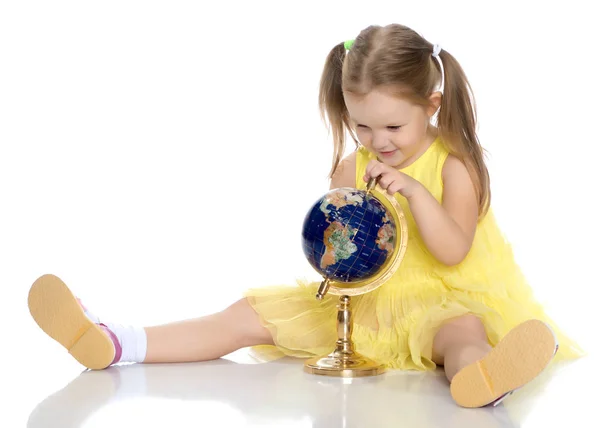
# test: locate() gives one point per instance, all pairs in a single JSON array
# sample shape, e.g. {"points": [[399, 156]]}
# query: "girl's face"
{"points": [[393, 129]]}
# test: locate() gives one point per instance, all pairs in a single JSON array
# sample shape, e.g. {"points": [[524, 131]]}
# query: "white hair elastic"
{"points": [[436, 54]]}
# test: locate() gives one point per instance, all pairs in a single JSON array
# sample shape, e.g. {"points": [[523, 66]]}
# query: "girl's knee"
{"points": [[471, 325], [464, 329], [246, 323]]}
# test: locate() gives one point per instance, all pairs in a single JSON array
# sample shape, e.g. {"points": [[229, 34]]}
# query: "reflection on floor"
{"points": [[237, 391]]}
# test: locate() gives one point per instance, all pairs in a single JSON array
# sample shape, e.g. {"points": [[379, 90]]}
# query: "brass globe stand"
{"points": [[344, 361]]}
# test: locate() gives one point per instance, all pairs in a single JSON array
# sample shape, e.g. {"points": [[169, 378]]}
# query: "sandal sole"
{"points": [[517, 359], [58, 313]]}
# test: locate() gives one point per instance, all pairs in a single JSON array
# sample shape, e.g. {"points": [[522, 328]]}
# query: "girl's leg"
{"points": [[458, 343], [98, 345], [208, 337], [482, 375]]}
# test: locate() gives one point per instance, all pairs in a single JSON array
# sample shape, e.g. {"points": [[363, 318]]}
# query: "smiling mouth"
{"points": [[391, 152]]}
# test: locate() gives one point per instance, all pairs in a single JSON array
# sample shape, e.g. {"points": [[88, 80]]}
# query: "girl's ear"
{"points": [[435, 101]]}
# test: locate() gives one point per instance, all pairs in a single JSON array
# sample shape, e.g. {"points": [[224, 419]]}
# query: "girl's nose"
{"points": [[380, 142]]}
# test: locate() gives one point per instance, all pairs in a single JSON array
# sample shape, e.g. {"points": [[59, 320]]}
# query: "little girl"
{"points": [[458, 300]]}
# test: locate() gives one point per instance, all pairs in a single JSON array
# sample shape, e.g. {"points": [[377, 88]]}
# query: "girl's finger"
{"points": [[376, 170], [370, 167], [384, 181]]}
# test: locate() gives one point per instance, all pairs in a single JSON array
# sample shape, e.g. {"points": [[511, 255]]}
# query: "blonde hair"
{"points": [[398, 58]]}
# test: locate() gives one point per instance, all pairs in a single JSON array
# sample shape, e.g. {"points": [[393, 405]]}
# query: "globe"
{"points": [[348, 235], [356, 241]]}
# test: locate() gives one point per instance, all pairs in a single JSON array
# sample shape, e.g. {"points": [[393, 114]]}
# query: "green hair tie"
{"points": [[348, 44]]}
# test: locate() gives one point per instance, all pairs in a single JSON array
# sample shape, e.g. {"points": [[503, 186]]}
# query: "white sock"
{"points": [[133, 342], [132, 339]]}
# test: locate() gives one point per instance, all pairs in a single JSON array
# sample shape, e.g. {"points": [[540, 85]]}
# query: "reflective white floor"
{"points": [[240, 392]]}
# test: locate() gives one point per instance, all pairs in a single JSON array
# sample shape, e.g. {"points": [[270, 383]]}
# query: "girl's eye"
{"points": [[391, 128]]}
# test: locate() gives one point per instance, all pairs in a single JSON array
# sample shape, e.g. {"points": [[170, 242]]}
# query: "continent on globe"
{"points": [[386, 235], [339, 199], [338, 244]]}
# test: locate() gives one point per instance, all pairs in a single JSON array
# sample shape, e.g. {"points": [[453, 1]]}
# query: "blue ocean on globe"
{"points": [[348, 235]]}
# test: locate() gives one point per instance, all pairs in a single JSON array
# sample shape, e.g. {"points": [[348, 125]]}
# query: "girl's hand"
{"points": [[391, 179]]}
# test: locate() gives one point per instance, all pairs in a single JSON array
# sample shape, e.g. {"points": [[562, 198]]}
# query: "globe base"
{"points": [[353, 365], [344, 361]]}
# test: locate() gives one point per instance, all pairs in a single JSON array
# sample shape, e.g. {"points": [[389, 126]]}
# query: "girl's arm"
{"points": [[448, 228], [345, 173]]}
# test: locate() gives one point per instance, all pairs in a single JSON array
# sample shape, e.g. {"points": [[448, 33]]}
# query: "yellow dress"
{"points": [[396, 323]]}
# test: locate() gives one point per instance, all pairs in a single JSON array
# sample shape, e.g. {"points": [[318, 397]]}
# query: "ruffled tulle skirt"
{"points": [[396, 323]]}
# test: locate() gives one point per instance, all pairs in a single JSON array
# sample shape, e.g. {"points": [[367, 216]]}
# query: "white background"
{"points": [[160, 156]]}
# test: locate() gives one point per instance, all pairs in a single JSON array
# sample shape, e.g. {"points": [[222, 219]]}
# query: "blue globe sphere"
{"points": [[348, 235]]}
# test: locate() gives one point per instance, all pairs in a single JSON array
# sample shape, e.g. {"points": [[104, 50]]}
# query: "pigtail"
{"points": [[457, 121], [331, 103]]}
